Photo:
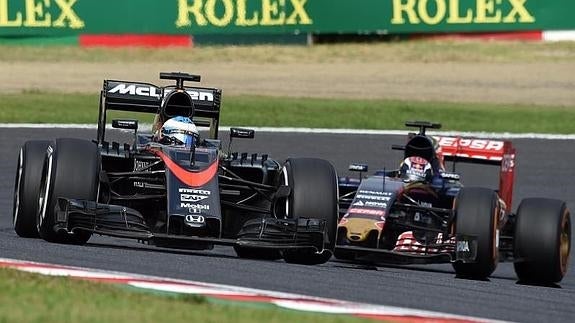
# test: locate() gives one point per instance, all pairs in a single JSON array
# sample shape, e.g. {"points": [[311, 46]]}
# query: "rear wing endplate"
{"points": [[483, 151]]}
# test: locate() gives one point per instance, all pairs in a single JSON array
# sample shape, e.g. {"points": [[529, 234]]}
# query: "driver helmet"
{"points": [[415, 169], [179, 131]]}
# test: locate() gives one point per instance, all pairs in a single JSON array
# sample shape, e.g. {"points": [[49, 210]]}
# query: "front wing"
{"points": [[465, 251], [122, 222]]}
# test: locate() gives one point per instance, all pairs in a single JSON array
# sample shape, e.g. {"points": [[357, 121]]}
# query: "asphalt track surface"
{"points": [[544, 168]]}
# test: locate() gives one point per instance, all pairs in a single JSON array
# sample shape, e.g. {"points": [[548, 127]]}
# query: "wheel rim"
{"points": [[565, 242], [17, 186]]}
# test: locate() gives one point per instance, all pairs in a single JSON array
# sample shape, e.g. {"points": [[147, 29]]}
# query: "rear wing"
{"points": [[149, 98], [482, 151]]}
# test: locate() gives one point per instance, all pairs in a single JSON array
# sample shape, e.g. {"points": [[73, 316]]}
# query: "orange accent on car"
{"points": [[190, 178]]}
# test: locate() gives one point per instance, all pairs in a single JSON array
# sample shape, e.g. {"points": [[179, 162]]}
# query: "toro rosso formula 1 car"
{"points": [[421, 213], [171, 195]]}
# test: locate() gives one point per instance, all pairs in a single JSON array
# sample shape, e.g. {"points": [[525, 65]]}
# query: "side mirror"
{"points": [[125, 124], [242, 133], [128, 124], [358, 168], [239, 133], [361, 168]]}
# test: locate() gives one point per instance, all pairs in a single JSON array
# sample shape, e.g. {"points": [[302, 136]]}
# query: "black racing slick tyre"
{"points": [[477, 215], [71, 170], [314, 194], [27, 187], [542, 241]]}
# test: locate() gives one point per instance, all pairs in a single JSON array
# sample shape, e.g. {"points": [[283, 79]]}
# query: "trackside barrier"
{"points": [[196, 17]]}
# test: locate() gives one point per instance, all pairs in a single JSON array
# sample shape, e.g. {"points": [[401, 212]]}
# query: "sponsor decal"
{"points": [[480, 144], [223, 13], [425, 204], [375, 193], [148, 185], [358, 168], [196, 95], [127, 124], [459, 12], [508, 163], [463, 246], [422, 217], [194, 191], [41, 14], [367, 211], [194, 206], [194, 219], [451, 176], [370, 203], [193, 195], [376, 204], [358, 203], [418, 161], [134, 89], [372, 197], [192, 198], [139, 166]]}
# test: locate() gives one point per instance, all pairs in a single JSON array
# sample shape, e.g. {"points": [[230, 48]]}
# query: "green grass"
{"points": [[36, 107], [413, 51], [26, 297]]}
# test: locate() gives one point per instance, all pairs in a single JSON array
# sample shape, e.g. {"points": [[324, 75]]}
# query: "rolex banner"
{"points": [[70, 17]]}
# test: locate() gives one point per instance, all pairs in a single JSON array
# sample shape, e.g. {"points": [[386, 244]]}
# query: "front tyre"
{"points": [[314, 194], [542, 241], [27, 187], [71, 170], [476, 215]]}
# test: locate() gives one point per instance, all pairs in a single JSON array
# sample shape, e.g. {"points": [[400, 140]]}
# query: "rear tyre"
{"points": [[542, 241], [27, 187], [314, 194], [71, 170], [476, 215]]}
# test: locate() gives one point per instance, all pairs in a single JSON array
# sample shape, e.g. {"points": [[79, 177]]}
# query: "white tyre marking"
{"points": [[17, 188], [286, 183], [44, 199]]}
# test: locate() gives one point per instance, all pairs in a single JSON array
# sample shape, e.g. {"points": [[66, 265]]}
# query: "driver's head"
{"points": [[179, 131], [415, 169]]}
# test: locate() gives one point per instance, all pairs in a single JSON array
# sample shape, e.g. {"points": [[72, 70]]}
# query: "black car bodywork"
{"points": [[179, 197]]}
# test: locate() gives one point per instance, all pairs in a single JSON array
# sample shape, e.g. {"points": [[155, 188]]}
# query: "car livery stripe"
{"points": [[190, 178], [242, 295]]}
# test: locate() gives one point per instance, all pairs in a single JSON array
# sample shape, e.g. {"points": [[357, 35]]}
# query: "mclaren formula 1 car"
{"points": [[173, 196], [392, 217]]}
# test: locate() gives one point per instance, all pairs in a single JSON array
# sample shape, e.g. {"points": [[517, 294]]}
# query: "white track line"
{"points": [[502, 135]]}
